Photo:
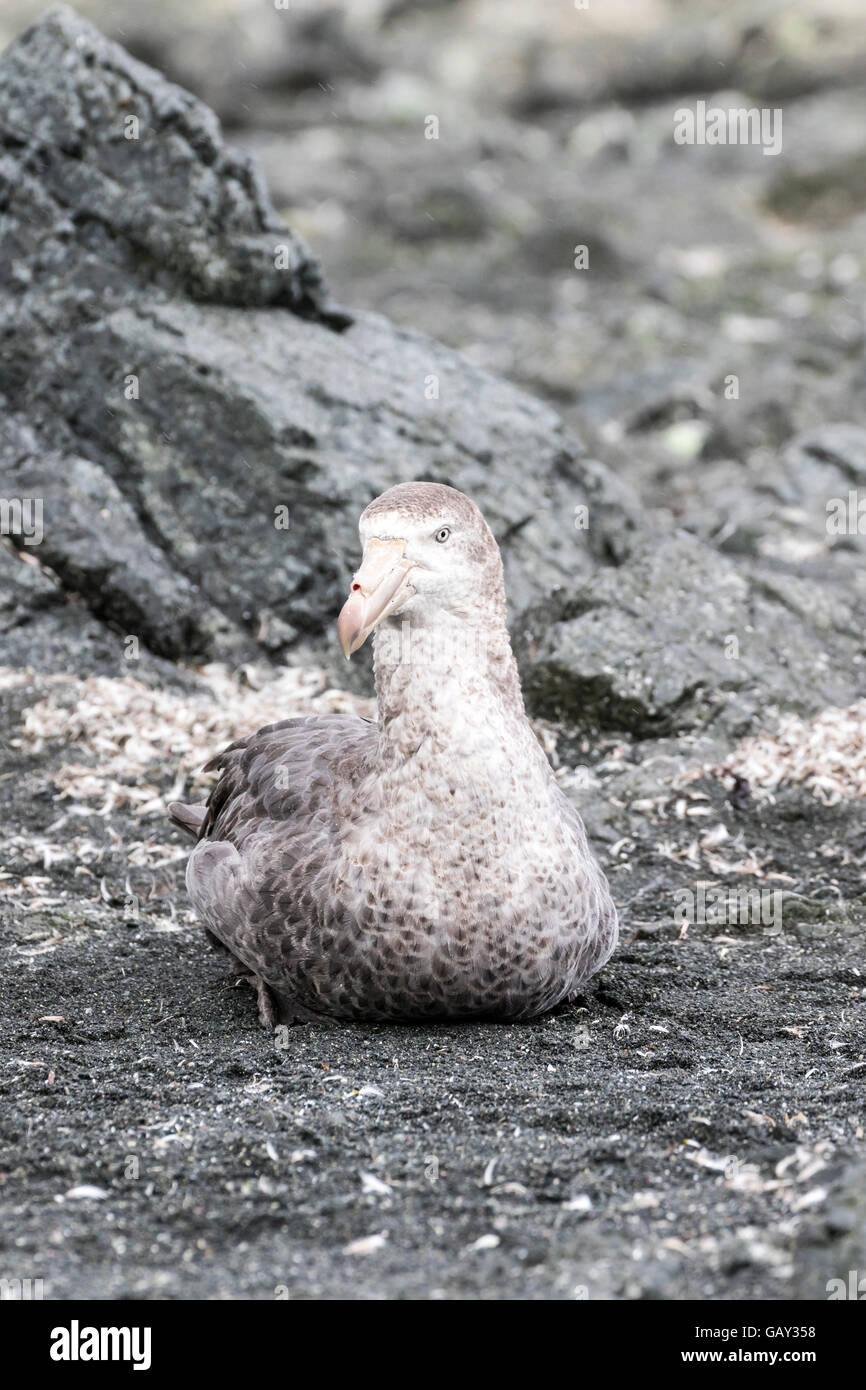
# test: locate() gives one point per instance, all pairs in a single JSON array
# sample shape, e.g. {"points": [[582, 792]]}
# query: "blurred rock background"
{"points": [[555, 130]]}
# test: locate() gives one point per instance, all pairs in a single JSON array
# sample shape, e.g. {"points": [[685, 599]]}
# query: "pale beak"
{"points": [[380, 586]]}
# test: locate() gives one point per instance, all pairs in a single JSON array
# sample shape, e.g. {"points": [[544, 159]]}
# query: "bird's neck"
{"points": [[447, 684]]}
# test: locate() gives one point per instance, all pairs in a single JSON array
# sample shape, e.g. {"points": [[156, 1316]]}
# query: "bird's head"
{"points": [[428, 553]]}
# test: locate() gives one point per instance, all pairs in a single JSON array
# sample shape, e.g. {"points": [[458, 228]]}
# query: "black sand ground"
{"points": [[692, 1131]]}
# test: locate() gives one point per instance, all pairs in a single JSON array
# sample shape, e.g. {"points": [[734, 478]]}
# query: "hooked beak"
{"points": [[380, 586]]}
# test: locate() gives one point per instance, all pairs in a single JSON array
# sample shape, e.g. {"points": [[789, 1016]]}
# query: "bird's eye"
{"points": [[442, 534]]}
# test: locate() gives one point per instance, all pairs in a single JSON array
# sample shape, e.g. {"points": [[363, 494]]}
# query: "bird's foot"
{"points": [[267, 1004], [268, 1013], [276, 1009]]}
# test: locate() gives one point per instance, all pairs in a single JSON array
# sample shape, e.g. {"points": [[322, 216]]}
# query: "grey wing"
{"points": [[260, 873]]}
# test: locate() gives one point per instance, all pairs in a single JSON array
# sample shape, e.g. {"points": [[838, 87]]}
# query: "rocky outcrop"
{"points": [[114, 180], [679, 639], [203, 424]]}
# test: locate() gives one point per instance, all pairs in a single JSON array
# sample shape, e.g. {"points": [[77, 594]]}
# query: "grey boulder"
{"points": [[203, 424], [680, 639]]}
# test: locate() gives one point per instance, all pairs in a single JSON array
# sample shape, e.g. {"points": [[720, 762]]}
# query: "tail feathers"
{"points": [[189, 818]]}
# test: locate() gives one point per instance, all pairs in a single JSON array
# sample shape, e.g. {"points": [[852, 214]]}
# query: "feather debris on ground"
{"points": [[128, 728], [826, 754]]}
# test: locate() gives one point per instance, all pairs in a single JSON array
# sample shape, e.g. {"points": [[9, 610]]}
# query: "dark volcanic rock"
{"points": [[127, 181], [824, 473], [47, 630], [831, 1250], [24, 592], [679, 638], [203, 459], [94, 544]]}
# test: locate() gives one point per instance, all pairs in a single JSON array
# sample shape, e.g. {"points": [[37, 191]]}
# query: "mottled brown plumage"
{"points": [[426, 865]]}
